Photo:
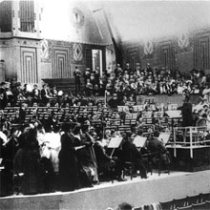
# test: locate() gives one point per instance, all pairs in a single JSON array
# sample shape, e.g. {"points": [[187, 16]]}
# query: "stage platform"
{"points": [[195, 158], [137, 192]]}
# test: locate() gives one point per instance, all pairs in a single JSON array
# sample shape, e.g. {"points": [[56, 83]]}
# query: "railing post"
{"points": [[174, 145], [191, 146], [184, 134]]}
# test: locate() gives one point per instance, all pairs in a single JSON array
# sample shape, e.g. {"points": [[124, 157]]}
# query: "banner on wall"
{"points": [[44, 49], [77, 52], [148, 48], [183, 41]]}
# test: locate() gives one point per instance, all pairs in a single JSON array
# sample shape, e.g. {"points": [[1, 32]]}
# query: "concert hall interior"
{"points": [[104, 105]]}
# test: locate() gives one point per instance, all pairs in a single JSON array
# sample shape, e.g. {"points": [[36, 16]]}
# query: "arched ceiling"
{"points": [[74, 21], [143, 20], [131, 20]]}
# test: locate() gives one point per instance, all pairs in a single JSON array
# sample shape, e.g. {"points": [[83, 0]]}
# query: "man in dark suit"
{"points": [[155, 145], [114, 101], [77, 77], [129, 153], [36, 94], [45, 94], [187, 115], [3, 96], [158, 151]]}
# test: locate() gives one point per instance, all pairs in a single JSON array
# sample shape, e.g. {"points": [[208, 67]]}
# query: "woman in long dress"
{"points": [[27, 162], [69, 167]]}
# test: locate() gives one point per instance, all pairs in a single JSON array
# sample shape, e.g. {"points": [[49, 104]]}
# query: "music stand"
{"points": [[3, 137], [174, 113], [139, 141], [164, 137], [119, 108], [114, 143]]}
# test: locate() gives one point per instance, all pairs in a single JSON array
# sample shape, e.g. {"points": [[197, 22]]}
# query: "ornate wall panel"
{"points": [[131, 54], [28, 65], [65, 56], [61, 63], [201, 52], [167, 55], [179, 53], [77, 52]]}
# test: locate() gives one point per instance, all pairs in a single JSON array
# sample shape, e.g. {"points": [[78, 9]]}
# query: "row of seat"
{"points": [[109, 124], [54, 109], [150, 107], [198, 202]]}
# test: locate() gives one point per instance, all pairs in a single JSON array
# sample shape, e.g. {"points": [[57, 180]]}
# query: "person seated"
{"points": [[105, 162], [114, 102], [118, 71], [159, 153], [54, 91], [202, 120], [129, 153], [22, 113], [180, 88], [15, 92], [3, 99]]}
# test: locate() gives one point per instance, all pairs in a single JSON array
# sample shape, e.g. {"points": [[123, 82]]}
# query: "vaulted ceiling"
{"points": [[131, 20], [143, 20]]}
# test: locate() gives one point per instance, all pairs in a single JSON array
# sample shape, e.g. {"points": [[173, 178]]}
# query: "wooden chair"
{"points": [[154, 160], [128, 169]]}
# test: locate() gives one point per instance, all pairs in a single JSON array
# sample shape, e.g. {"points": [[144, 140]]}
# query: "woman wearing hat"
{"points": [[69, 170]]}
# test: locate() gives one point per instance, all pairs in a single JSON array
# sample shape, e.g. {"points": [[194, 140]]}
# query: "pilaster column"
{"points": [[15, 18]]}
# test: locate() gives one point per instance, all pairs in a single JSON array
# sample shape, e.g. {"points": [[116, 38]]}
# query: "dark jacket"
{"points": [[187, 116]]}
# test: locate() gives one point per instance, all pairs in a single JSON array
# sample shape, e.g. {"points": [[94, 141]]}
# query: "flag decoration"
{"points": [[148, 48], [77, 52], [183, 41]]}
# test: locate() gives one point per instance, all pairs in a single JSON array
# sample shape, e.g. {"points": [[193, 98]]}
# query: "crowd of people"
{"points": [[38, 157], [144, 81], [14, 94], [126, 83]]}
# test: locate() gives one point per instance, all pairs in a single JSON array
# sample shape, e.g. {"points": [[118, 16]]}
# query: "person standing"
{"points": [[187, 115], [36, 94], [9, 150], [45, 94], [69, 169], [27, 162], [77, 77], [129, 153]]}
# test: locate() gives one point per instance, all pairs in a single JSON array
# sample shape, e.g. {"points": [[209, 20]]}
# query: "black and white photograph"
{"points": [[104, 105]]}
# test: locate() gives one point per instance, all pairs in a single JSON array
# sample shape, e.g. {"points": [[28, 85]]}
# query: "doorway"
{"points": [[97, 62]]}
